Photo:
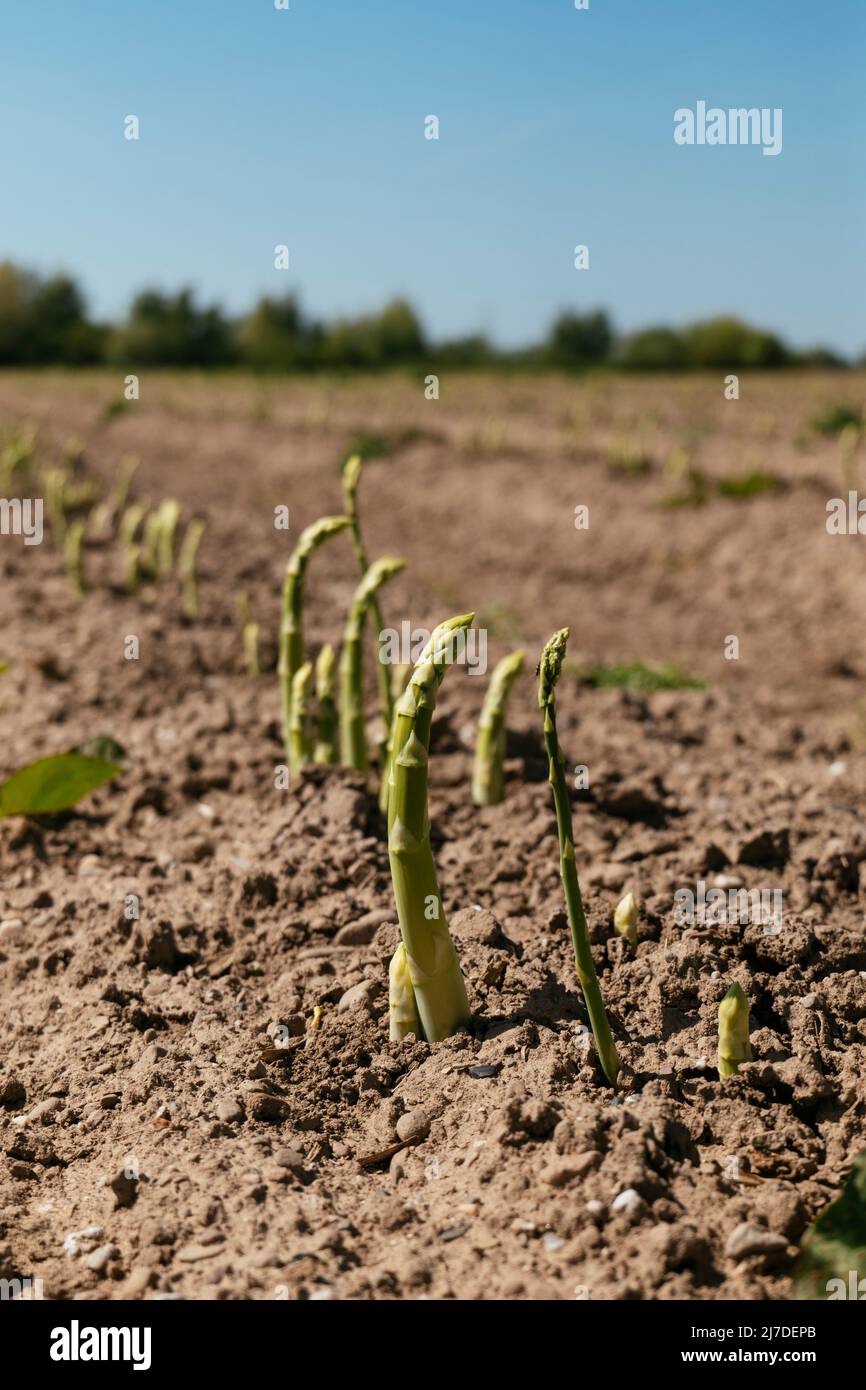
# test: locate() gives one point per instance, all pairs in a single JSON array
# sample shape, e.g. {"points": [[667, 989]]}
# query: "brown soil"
{"points": [[488, 1166]]}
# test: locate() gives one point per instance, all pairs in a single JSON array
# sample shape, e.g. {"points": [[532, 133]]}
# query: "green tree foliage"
{"points": [[654, 350], [580, 340], [171, 331]]}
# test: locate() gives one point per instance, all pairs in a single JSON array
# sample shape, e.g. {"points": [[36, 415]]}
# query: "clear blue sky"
{"points": [[306, 127]]}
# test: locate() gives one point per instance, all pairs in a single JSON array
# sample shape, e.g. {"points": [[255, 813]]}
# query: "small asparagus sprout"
{"points": [[549, 671], [104, 515], [150, 544], [249, 634], [130, 521], [73, 555], [734, 1046], [399, 676], [488, 778], [186, 565], [169, 516], [291, 622], [625, 919], [300, 740], [326, 728], [431, 961], [353, 737], [132, 576], [351, 478], [402, 1009]]}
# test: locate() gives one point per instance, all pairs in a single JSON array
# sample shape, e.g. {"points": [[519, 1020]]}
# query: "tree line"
{"points": [[44, 321]]}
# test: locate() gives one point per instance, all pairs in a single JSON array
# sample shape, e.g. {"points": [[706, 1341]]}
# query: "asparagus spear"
{"points": [[431, 961], [249, 634], [353, 738], [549, 670], [625, 919], [351, 478], [734, 1046], [300, 740], [73, 555], [186, 564], [169, 516], [291, 622], [399, 676], [488, 778], [402, 1009], [326, 729], [132, 518]]}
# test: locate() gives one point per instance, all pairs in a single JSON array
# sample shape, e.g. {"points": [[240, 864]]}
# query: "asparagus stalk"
{"points": [[351, 478], [300, 740], [249, 634], [169, 516], [353, 737], [734, 1046], [150, 544], [291, 622], [130, 521], [73, 555], [625, 919], [402, 1009], [132, 567], [186, 564], [488, 778], [549, 671], [431, 961], [325, 751], [399, 676]]}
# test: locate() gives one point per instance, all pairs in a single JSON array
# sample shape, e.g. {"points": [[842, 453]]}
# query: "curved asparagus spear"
{"points": [[734, 1045], [431, 960], [186, 564], [300, 740], [399, 676], [326, 728], [291, 621], [353, 738], [402, 1009], [351, 478], [488, 777], [549, 670]]}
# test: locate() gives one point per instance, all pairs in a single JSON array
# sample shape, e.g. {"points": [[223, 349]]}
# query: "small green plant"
{"points": [[353, 736], [734, 1046], [291, 655], [832, 1263], [130, 521], [402, 1009], [747, 485], [549, 670], [636, 675], [629, 457], [488, 776], [325, 751], [73, 554], [625, 919], [835, 418], [168, 516], [118, 405], [351, 480], [187, 563], [430, 969], [132, 568], [57, 783], [249, 635]]}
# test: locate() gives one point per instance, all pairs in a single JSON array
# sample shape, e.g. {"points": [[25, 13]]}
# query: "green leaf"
{"points": [[53, 784], [108, 749], [4, 667], [835, 1248]]}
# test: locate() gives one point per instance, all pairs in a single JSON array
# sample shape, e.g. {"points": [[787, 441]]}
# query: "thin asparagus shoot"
{"points": [[402, 1009], [734, 1045], [250, 632], [132, 517], [488, 777], [625, 919], [150, 544], [291, 621], [169, 516], [351, 479], [325, 751], [300, 739], [353, 736], [549, 671], [74, 556], [431, 961], [399, 676], [187, 566], [132, 567]]}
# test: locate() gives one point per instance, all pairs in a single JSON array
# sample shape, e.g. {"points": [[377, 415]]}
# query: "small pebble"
{"points": [[628, 1201], [230, 1112], [482, 1073], [412, 1127], [99, 1258]]}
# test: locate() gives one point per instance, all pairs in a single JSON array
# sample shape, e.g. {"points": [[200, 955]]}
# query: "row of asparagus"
{"points": [[427, 992]]}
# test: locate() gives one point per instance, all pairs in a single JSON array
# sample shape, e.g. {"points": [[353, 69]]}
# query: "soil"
{"points": [[154, 1141]]}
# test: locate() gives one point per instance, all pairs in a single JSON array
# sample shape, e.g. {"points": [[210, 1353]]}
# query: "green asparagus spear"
{"points": [[351, 478], [291, 622], [734, 1046], [169, 516], [402, 1009], [73, 555], [353, 737], [186, 564], [431, 961], [300, 739], [488, 778], [549, 670], [326, 727], [399, 676], [132, 567], [130, 521]]}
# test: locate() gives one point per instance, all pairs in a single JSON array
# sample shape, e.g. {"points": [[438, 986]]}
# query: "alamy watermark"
{"points": [[736, 126], [22, 516], [467, 648], [717, 906]]}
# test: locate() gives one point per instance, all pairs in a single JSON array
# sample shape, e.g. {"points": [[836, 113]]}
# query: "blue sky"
{"points": [[556, 127]]}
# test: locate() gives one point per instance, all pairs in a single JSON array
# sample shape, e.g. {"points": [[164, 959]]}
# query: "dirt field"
{"points": [[487, 1166]]}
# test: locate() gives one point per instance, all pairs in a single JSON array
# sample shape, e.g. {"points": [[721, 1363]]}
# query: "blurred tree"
{"points": [[169, 330], [654, 349], [579, 340], [728, 342]]}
